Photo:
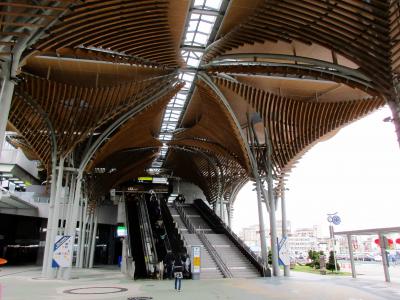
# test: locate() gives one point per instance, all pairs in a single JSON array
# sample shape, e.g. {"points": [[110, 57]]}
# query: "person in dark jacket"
{"points": [[178, 273], [169, 261]]}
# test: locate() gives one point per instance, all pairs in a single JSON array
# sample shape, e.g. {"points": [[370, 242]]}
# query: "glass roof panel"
{"points": [[213, 4], [197, 34]]}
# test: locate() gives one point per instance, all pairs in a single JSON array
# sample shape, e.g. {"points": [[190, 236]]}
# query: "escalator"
{"points": [[152, 234], [168, 240], [140, 232], [134, 234], [148, 242], [161, 240]]}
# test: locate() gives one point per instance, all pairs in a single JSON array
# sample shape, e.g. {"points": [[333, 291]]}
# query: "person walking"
{"points": [[178, 273]]}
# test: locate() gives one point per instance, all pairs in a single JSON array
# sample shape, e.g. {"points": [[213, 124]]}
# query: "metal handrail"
{"points": [[255, 256], [214, 254], [206, 243], [185, 218], [244, 245], [151, 253]]}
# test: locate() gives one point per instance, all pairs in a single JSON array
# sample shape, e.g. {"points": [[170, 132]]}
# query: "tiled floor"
{"points": [[24, 283]]}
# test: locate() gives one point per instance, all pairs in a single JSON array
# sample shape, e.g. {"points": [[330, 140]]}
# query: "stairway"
{"points": [[209, 269], [236, 262]]}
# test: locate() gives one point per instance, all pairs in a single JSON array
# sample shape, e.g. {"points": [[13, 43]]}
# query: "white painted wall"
{"points": [[189, 190]]}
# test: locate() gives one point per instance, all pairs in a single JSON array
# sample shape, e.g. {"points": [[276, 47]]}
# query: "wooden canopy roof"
{"points": [[108, 69]]}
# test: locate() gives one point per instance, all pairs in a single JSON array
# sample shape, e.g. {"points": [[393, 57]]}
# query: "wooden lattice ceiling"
{"points": [[308, 68]]}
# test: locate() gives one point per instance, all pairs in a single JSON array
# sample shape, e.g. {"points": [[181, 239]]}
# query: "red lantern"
{"points": [[390, 241], [377, 242], [398, 241]]}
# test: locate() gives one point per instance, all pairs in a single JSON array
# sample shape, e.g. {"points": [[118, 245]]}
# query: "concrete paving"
{"points": [[106, 283]]}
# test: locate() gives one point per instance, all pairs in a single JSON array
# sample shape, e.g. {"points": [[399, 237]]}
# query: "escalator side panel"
{"points": [[136, 240]]}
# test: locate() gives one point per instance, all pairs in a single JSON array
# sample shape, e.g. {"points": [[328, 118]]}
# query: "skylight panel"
{"points": [[205, 27], [199, 27], [199, 3], [213, 4]]}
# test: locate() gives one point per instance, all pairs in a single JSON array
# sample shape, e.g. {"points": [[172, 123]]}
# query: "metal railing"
{"points": [[237, 240], [214, 254], [206, 243], [185, 218]]}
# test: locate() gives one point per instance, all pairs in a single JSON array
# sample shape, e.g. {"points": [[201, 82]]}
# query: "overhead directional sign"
{"points": [[283, 252], [62, 256]]}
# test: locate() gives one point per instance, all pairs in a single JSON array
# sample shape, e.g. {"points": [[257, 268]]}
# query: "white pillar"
{"points": [[89, 240], [229, 212], [54, 224], [50, 216], [272, 225], [80, 232], [6, 93], [74, 212], [286, 269], [264, 252], [353, 267], [385, 262], [93, 246], [74, 205], [221, 208], [83, 236]]}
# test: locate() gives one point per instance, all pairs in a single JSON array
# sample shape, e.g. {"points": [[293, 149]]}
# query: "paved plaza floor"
{"points": [[24, 283]]}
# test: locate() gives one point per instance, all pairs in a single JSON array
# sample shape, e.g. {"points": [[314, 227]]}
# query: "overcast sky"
{"points": [[355, 173]]}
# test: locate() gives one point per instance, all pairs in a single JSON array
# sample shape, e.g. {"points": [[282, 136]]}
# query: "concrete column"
{"points": [[6, 93], [286, 269], [353, 267], [385, 262]]}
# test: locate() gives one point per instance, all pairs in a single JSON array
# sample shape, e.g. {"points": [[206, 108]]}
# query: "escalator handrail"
{"points": [[146, 222]]}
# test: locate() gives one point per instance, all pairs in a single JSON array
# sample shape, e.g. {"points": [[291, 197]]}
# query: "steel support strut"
{"points": [[6, 93], [272, 208], [286, 269], [351, 254]]}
